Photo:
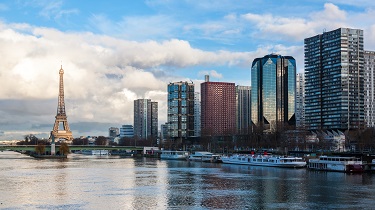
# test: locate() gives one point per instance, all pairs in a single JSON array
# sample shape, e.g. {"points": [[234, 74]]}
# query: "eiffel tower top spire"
{"points": [[61, 117], [61, 101]]}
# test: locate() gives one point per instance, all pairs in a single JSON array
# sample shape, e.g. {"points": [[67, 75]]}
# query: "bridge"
{"points": [[71, 147]]}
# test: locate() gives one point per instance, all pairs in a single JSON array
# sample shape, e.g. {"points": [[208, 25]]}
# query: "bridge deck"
{"points": [[71, 147]]}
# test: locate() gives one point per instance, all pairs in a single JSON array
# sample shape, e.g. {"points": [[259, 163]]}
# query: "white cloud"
{"points": [[211, 73], [330, 12], [355, 3], [295, 28]]}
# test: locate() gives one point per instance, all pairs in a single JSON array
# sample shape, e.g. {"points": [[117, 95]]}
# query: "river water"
{"points": [[89, 182]]}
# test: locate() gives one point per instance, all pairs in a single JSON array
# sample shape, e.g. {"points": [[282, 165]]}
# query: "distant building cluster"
{"points": [[335, 94]]}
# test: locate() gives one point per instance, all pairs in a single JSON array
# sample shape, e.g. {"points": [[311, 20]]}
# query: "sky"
{"points": [[116, 51]]}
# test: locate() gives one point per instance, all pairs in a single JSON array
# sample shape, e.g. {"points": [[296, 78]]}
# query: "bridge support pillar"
{"points": [[53, 149]]}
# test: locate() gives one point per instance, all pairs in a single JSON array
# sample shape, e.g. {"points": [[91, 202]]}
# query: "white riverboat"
{"points": [[343, 164], [95, 152], [174, 155], [204, 157], [265, 160]]}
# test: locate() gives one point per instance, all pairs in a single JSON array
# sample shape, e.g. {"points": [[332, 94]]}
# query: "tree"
{"points": [[79, 141], [40, 149], [101, 140], [64, 148], [29, 140]]}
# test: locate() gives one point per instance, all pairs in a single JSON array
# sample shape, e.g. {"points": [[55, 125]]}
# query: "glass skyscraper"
{"points": [[273, 90], [180, 109], [334, 85]]}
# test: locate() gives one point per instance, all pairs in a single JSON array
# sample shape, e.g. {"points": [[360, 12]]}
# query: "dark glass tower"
{"points": [[273, 90], [334, 80]]}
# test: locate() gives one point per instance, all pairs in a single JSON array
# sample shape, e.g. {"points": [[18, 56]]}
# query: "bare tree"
{"points": [[64, 148], [40, 149]]}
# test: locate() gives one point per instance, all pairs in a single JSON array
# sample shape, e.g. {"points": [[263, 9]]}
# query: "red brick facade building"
{"points": [[218, 108]]}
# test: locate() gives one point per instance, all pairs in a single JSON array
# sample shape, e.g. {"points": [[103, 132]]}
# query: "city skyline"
{"points": [[115, 52]]}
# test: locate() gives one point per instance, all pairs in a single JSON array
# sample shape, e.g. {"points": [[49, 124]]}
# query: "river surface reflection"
{"points": [[88, 182]]}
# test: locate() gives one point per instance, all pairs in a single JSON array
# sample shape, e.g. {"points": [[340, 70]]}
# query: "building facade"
{"points": [[154, 119], [334, 83], [273, 91], [145, 118], [197, 114], [300, 100], [163, 132], [243, 109], [180, 110], [369, 57], [127, 131], [113, 132], [218, 108]]}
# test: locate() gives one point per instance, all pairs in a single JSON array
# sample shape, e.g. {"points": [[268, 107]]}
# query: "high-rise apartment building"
{"points": [[154, 119], [180, 109], [334, 80], [273, 91], [218, 108], [145, 118], [197, 114], [369, 88], [163, 132], [113, 132], [300, 100], [243, 109]]}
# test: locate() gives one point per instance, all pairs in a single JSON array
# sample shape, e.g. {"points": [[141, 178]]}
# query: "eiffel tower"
{"points": [[65, 132]]}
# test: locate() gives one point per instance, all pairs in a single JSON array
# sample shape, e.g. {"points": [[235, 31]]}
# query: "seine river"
{"points": [[88, 182]]}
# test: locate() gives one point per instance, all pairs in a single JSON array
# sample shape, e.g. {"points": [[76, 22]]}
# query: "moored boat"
{"points": [[204, 157], [265, 160], [343, 164], [95, 152], [174, 155]]}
